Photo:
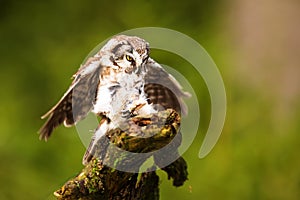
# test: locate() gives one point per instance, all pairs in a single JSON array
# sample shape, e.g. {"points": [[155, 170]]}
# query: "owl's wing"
{"points": [[77, 101], [163, 89]]}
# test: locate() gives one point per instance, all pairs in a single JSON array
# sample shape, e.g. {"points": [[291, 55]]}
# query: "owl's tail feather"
{"points": [[98, 144]]}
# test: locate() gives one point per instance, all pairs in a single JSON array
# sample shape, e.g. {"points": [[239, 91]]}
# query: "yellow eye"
{"points": [[129, 58]]}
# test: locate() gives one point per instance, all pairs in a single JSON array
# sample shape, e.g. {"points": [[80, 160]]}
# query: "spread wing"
{"points": [[163, 89], [77, 101]]}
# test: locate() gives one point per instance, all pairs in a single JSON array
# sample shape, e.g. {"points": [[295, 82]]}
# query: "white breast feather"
{"points": [[125, 97]]}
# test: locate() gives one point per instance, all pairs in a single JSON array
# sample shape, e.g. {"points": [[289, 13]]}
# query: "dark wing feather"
{"points": [[160, 95], [76, 102], [163, 89], [60, 113]]}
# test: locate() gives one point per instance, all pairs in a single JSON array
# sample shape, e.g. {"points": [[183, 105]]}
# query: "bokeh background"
{"points": [[255, 44]]}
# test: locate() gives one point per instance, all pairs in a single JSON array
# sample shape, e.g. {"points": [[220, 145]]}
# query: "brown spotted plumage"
{"points": [[117, 82]]}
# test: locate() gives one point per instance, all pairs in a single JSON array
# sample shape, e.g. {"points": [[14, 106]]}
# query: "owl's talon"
{"points": [[128, 113]]}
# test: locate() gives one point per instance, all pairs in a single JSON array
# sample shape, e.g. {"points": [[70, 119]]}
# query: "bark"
{"points": [[103, 177]]}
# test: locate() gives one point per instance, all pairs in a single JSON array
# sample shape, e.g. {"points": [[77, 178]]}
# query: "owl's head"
{"points": [[129, 53]]}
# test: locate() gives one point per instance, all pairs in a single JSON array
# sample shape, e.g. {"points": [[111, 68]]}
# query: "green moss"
{"points": [[97, 181]]}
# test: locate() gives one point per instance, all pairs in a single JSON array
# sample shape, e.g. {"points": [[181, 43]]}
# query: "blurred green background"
{"points": [[255, 44]]}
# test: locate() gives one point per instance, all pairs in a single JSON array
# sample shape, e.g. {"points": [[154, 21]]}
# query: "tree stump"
{"points": [[113, 172]]}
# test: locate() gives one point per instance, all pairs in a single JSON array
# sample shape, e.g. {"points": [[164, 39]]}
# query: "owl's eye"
{"points": [[129, 58]]}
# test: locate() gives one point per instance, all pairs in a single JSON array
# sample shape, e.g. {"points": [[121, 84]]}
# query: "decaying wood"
{"points": [[102, 177]]}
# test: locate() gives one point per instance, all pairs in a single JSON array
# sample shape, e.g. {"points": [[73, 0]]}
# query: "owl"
{"points": [[118, 82]]}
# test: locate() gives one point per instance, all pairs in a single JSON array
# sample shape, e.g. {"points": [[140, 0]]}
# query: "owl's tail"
{"points": [[99, 142]]}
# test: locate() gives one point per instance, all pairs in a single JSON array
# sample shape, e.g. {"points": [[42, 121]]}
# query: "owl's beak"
{"points": [[136, 68]]}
